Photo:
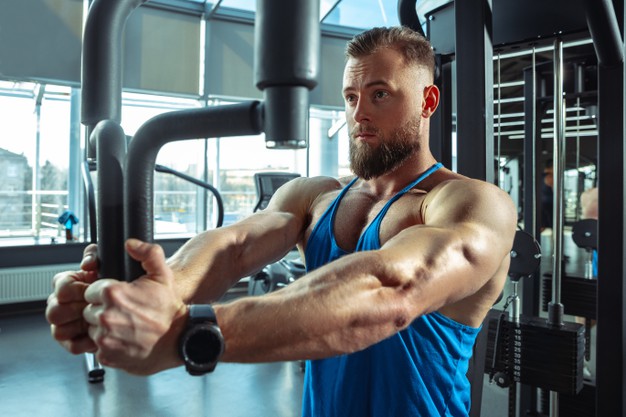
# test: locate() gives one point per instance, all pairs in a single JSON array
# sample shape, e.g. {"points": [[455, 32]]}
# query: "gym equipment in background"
{"points": [[532, 350], [282, 273]]}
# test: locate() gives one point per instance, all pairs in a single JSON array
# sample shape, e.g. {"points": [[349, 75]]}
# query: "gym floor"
{"points": [[38, 377]]}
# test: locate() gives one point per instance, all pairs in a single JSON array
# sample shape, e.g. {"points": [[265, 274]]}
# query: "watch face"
{"points": [[203, 347]]}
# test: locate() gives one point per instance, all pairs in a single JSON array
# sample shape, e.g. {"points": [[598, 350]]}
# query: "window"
{"points": [[34, 155], [361, 14], [233, 162], [40, 154]]}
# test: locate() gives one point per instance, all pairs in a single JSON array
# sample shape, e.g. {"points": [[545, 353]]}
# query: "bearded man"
{"points": [[404, 260]]}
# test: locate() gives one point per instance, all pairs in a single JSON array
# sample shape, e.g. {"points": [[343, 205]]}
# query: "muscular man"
{"points": [[404, 261]]}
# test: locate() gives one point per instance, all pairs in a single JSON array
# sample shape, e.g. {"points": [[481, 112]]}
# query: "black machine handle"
{"points": [[87, 167], [101, 83], [285, 75], [233, 120]]}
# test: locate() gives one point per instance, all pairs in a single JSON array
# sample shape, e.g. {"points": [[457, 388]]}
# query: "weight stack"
{"points": [[578, 295], [535, 353]]}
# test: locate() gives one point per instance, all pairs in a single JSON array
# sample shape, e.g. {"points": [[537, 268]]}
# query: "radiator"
{"points": [[32, 283]]}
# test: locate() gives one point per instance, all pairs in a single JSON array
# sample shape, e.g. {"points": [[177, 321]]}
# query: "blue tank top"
{"points": [[419, 371]]}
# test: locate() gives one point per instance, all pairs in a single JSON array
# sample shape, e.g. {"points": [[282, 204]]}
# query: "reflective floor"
{"points": [[38, 378]]}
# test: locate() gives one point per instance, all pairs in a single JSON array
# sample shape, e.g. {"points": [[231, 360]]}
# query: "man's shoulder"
{"points": [[320, 184], [458, 191], [456, 183], [307, 191]]}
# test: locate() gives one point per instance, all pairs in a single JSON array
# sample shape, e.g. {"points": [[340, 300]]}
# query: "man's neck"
{"points": [[394, 181]]}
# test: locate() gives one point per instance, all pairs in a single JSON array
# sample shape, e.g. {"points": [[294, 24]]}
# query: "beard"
{"points": [[369, 162]]}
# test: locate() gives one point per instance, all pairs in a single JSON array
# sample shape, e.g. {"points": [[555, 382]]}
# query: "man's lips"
{"points": [[364, 135]]}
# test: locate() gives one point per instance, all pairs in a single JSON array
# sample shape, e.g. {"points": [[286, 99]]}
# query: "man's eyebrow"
{"points": [[375, 83]]}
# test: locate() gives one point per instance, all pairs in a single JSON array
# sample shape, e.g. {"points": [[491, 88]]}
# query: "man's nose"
{"points": [[362, 112]]}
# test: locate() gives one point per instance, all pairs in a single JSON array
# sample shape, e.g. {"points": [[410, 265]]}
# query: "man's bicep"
{"points": [[440, 266], [481, 213], [455, 253]]}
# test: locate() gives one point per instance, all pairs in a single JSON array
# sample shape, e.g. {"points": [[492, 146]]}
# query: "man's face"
{"points": [[368, 161], [383, 101]]}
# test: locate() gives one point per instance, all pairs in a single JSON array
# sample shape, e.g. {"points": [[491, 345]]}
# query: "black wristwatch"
{"points": [[201, 345]]}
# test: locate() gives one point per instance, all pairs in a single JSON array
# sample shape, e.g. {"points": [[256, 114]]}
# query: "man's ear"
{"points": [[431, 100]]}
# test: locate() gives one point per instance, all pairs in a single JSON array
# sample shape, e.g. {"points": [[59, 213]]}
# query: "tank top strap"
{"points": [[333, 207], [370, 239], [408, 187], [321, 246]]}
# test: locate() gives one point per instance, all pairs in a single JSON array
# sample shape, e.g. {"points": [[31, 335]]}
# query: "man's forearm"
{"points": [[204, 268], [209, 264], [334, 310]]}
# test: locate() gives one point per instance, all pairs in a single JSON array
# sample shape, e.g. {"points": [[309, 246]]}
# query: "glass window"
{"points": [[34, 151], [51, 189], [234, 162], [248, 5], [364, 13], [344, 150], [35, 155], [360, 14]]}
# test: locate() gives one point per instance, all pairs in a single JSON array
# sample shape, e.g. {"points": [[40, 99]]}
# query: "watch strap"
{"points": [[201, 313]]}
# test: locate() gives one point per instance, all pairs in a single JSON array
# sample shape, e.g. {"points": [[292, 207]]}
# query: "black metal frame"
{"points": [[474, 126], [126, 205], [532, 187], [474, 61], [125, 180], [441, 123], [611, 325]]}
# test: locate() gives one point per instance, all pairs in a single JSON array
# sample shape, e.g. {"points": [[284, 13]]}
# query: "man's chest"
{"points": [[357, 214]]}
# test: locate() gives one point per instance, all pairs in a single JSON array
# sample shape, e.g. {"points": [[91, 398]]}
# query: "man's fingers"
{"points": [[68, 276], [90, 258], [80, 345], [60, 314], [65, 305], [73, 336], [70, 331], [96, 293], [68, 289], [152, 259]]}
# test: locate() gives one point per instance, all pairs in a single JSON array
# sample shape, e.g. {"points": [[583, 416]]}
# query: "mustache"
{"points": [[358, 130]]}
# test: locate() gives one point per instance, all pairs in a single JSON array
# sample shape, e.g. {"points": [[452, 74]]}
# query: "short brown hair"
{"points": [[414, 47]]}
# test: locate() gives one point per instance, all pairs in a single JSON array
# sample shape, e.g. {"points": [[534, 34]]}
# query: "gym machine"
{"points": [[95, 372], [285, 271], [463, 34], [125, 179], [532, 350]]}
